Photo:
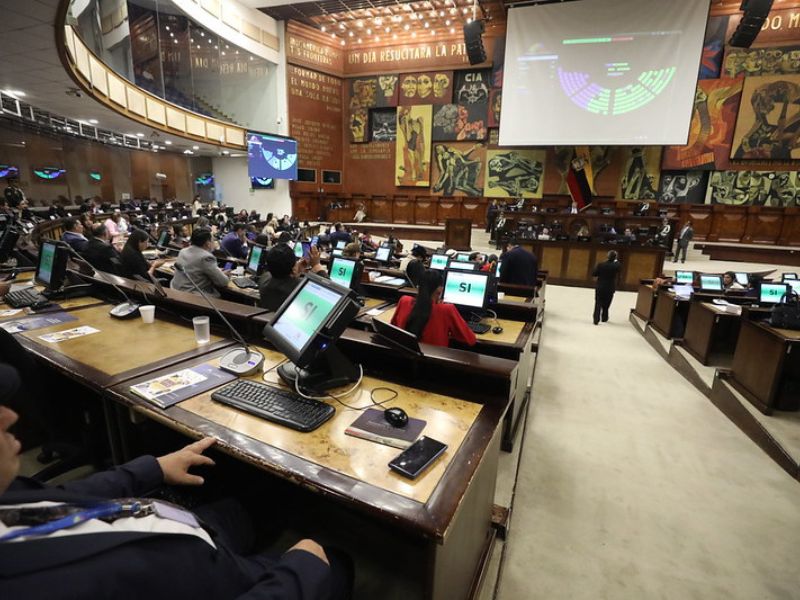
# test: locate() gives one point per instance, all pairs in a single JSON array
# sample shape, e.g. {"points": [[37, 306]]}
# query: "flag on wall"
{"points": [[578, 184], [585, 154]]}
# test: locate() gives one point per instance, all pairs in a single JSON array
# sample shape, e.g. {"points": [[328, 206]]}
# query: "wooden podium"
{"points": [[458, 234]]}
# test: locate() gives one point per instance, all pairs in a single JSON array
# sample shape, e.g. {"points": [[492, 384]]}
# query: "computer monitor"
{"points": [[462, 256], [683, 291], [794, 284], [462, 265], [256, 259], [396, 337], [384, 254], [305, 328], [771, 293], [51, 270], [163, 239], [786, 276], [466, 289], [341, 244], [439, 262], [685, 277], [343, 271], [711, 283], [337, 252], [742, 279]]}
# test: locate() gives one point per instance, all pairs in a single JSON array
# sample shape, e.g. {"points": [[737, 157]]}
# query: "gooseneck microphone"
{"points": [[125, 310], [239, 361]]}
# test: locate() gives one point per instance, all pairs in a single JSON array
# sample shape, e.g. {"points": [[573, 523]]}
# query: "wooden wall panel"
{"points": [[763, 225], [474, 209], [381, 211], [790, 231], [552, 258], [728, 224], [403, 211], [425, 211], [448, 208], [579, 263]]}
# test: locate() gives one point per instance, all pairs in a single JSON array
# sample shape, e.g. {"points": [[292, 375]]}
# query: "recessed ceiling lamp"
{"points": [[93, 121], [195, 147], [322, 29], [167, 142]]}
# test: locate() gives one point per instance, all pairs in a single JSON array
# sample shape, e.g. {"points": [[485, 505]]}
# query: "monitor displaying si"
{"points": [[383, 254], [685, 277], [256, 259], [786, 276], [771, 293], [462, 256], [52, 266], [794, 284], [466, 289], [341, 244], [742, 279], [439, 262], [271, 156], [711, 283], [342, 271], [337, 252], [461, 265]]}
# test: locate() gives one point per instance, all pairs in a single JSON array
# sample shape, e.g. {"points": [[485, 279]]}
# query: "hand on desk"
{"points": [[176, 466], [312, 547]]}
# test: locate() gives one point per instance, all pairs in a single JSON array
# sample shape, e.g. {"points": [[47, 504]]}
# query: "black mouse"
{"points": [[497, 330], [396, 417]]}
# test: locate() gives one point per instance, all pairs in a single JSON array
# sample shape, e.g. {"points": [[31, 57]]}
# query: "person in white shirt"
{"points": [[116, 224]]}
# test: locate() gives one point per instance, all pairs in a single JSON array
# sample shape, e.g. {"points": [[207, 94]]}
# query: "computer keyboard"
{"points": [[274, 404], [477, 327], [24, 298], [244, 282]]}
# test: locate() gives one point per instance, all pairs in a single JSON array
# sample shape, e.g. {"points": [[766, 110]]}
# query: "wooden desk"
{"points": [[122, 349], [711, 333], [670, 307], [766, 366], [645, 301], [445, 515]]}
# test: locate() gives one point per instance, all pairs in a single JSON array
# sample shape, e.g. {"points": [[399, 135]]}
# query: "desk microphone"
{"points": [[125, 310], [239, 361]]}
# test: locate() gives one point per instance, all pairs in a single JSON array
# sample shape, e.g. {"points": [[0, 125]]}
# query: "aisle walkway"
{"points": [[632, 485]]}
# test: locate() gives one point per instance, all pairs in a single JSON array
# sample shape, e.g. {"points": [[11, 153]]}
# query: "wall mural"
{"points": [[514, 173], [753, 62], [495, 101], [383, 125], [768, 126], [458, 169], [363, 92], [387, 96], [759, 188], [412, 158], [683, 187], [426, 88], [711, 131], [358, 125], [444, 123], [713, 47], [640, 176]]}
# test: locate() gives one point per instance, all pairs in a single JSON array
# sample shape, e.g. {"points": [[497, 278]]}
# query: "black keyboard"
{"points": [[24, 298], [244, 282], [477, 327], [274, 404]]}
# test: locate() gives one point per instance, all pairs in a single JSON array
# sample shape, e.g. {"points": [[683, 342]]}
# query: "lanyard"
{"points": [[110, 509]]}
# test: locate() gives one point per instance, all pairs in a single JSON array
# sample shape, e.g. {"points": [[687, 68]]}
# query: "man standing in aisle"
{"points": [[13, 194], [607, 273], [684, 237]]}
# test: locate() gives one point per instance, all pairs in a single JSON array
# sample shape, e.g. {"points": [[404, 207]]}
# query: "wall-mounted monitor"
{"points": [[271, 156], [49, 173], [8, 171], [95, 176], [262, 183], [333, 177], [204, 180], [307, 175]]}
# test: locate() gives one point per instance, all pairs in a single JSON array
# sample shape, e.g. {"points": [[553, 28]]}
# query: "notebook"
{"points": [[373, 426]]}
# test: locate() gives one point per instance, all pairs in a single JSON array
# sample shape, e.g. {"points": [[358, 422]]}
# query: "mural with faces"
{"points": [[758, 188], [387, 91], [683, 187], [750, 62], [444, 122], [426, 88], [471, 94]]}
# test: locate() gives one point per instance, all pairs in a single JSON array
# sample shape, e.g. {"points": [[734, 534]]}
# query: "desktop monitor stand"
{"points": [[331, 369]]}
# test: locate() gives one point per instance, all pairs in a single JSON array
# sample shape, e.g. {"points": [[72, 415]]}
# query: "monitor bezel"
{"points": [[474, 266], [718, 278], [746, 277], [677, 279], [388, 257], [486, 290], [446, 262], [786, 286], [352, 276], [261, 261], [784, 276], [59, 271]]}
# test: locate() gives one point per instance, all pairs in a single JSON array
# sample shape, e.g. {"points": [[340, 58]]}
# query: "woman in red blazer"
{"points": [[432, 321]]}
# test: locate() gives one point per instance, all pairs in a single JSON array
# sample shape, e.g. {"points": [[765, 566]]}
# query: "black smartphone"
{"points": [[417, 457]]}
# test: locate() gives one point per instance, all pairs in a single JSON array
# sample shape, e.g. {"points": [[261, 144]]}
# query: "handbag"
{"points": [[786, 314]]}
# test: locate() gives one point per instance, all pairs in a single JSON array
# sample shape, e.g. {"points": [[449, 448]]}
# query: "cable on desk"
{"points": [[335, 397]]}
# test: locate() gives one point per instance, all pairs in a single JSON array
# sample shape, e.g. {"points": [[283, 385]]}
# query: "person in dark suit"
{"points": [[142, 549], [100, 253], [283, 273], [684, 237], [73, 234], [520, 267], [133, 261], [607, 273]]}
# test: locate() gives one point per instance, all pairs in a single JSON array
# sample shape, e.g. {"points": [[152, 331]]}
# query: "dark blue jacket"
{"points": [[147, 565], [520, 267]]}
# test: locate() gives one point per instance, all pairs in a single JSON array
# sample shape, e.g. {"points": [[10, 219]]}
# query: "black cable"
{"points": [[371, 397]]}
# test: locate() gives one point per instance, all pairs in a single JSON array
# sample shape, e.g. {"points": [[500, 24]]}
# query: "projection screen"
{"points": [[604, 72]]}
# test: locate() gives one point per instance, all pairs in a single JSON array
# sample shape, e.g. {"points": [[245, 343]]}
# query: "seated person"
{"points": [[200, 265], [100, 253], [520, 267], [116, 224], [545, 234], [180, 236], [235, 241], [339, 234], [367, 243], [432, 321], [209, 555], [491, 263], [729, 281], [352, 251], [133, 261], [73, 234], [415, 264], [283, 272]]}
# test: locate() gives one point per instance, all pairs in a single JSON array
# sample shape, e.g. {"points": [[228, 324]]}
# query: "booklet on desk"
{"points": [[179, 386], [373, 426]]}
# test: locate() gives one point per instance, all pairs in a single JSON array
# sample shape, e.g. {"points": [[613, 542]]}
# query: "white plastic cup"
{"points": [[202, 330], [500, 295], [148, 312]]}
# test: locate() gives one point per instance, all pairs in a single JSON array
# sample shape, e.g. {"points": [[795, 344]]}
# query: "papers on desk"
{"points": [[32, 322], [374, 312], [68, 334], [683, 291], [389, 280], [9, 312], [734, 309], [175, 387]]}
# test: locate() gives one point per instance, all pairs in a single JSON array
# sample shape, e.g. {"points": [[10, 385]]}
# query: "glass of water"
{"points": [[202, 329]]}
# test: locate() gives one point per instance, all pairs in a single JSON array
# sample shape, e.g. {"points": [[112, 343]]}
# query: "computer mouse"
{"points": [[396, 417], [497, 330], [41, 305]]}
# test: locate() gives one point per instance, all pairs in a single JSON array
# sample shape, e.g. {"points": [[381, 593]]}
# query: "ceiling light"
{"points": [[413, 34], [342, 42], [14, 93], [447, 22], [427, 24], [176, 41], [406, 27], [202, 34], [452, 30], [216, 47], [433, 13], [195, 147], [139, 135], [378, 21], [369, 31], [333, 36], [394, 36], [167, 142], [223, 53], [226, 152], [441, 13], [465, 10], [322, 29], [360, 23], [350, 34], [388, 29], [453, 11], [341, 25], [469, 20], [166, 27], [93, 121], [377, 38], [433, 32], [188, 152]]}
